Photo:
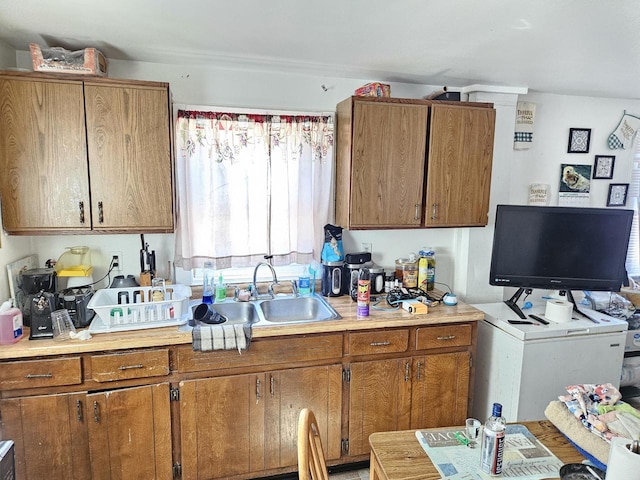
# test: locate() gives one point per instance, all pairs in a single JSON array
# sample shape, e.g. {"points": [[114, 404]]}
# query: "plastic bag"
{"points": [[332, 251]]}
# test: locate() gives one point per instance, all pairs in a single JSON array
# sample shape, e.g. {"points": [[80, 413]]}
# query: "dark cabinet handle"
{"points": [[434, 215], [96, 412], [100, 213], [129, 367], [81, 206], [79, 410]]}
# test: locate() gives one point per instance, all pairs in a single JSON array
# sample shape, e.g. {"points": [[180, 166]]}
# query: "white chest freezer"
{"points": [[524, 367]]}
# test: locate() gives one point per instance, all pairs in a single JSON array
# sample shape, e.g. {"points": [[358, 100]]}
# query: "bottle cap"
{"points": [[497, 410]]}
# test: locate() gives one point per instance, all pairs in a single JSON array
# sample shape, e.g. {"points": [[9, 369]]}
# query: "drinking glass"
{"points": [[158, 290], [62, 325], [472, 430]]}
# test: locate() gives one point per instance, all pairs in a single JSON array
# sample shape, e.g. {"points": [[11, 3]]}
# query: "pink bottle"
{"points": [[10, 326]]}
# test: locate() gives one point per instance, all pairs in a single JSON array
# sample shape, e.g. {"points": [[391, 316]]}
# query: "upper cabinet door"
{"points": [[128, 138], [387, 164], [43, 156], [459, 165]]}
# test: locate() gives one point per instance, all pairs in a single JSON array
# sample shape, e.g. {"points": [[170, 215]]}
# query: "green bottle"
{"points": [[221, 290]]}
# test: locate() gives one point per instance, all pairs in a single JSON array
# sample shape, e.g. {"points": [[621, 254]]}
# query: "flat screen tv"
{"points": [[559, 248]]}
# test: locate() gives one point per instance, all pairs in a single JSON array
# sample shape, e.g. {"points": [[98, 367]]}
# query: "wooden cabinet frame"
{"points": [[226, 415], [85, 155], [404, 163]]}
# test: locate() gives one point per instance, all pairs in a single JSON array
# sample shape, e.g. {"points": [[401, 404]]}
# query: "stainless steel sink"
{"points": [[296, 310], [281, 310], [237, 312]]}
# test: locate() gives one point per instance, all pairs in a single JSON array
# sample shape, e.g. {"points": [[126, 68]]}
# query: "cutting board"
{"points": [[15, 268]]}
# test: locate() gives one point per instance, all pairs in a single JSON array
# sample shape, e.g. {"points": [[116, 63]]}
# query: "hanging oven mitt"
{"points": [[623, 135]]}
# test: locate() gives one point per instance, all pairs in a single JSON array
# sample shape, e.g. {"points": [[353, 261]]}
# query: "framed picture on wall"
{"points": [[603, 166], [617, 194], [579, 139]]}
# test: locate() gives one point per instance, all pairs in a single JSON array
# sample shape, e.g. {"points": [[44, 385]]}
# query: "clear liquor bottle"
{"points": [[493, 437]]}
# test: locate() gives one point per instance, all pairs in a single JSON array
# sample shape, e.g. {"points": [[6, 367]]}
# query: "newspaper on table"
{"points": [[525, 457]]}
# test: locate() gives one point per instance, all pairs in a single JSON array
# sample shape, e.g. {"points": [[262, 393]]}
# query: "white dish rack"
{"points": [[133, 308]]}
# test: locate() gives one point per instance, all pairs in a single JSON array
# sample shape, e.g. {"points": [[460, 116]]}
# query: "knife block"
{"points": [[145, 279]]}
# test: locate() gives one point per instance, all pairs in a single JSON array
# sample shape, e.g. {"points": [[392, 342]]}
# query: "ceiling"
{"points": [[581, 47]]}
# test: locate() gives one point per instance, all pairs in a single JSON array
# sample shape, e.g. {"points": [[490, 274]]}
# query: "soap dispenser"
{"points": [[207, 283], [221, 290]]}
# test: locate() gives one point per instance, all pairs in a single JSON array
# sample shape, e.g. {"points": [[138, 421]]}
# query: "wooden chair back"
{"points": [[311, 462]]}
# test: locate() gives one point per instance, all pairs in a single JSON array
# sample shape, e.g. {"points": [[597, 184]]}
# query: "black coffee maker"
{"points": [[39, 286], [75, 301]]}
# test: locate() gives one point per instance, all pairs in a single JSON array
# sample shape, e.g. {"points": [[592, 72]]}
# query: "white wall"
{"points": [[7, 56], [555, 114], [463, 255]]}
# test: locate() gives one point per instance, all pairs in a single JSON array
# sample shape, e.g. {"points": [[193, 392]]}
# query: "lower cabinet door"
{"points": [[130, 433], [248, 423], [50, 436], [221, 422], [379, 400], [289, 391], [440, 391]]}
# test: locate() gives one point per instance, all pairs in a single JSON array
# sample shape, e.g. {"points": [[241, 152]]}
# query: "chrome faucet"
{"points": [[254, 287]]}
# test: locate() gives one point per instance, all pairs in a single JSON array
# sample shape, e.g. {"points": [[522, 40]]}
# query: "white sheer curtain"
{"points": [[251, 185], [633, 202]]}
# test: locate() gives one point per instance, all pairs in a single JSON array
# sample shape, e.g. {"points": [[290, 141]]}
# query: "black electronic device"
{"points": [[559, 248], [41, 305], [357, 258], [75, 300]]}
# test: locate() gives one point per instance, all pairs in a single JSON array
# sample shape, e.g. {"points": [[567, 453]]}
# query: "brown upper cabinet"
{"points": [[85, 155], [404, 163]]}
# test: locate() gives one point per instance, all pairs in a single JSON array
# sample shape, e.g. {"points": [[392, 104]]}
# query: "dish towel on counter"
{"points": [[206, 338]]}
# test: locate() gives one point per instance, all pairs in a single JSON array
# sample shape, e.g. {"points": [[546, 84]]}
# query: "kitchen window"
{"points": [[251, 184]]}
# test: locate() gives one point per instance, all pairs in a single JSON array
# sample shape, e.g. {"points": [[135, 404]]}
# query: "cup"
{"points": [[62, 325], [472, 430], [206, 314], [157, 290]]}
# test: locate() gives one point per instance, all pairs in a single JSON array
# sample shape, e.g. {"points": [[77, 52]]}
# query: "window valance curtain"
{"points": [[251, 185]]}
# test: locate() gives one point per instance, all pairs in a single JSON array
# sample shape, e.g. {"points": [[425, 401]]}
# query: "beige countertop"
{"points": [[167, 336]]}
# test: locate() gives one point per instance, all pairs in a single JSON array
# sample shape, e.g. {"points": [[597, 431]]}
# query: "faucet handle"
{"points": [[270, 289], [294, 287]]}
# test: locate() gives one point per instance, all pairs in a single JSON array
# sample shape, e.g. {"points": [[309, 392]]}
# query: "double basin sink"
{"points": [[279, 310]]}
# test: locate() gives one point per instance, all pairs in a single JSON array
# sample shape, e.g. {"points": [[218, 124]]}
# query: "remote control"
{"points": [[541, 320]]}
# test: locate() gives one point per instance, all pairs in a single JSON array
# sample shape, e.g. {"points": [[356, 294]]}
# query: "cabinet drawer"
{"points": [[263, 352], [444, 336], [366, 343], [40, 373], [124, 366]]}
